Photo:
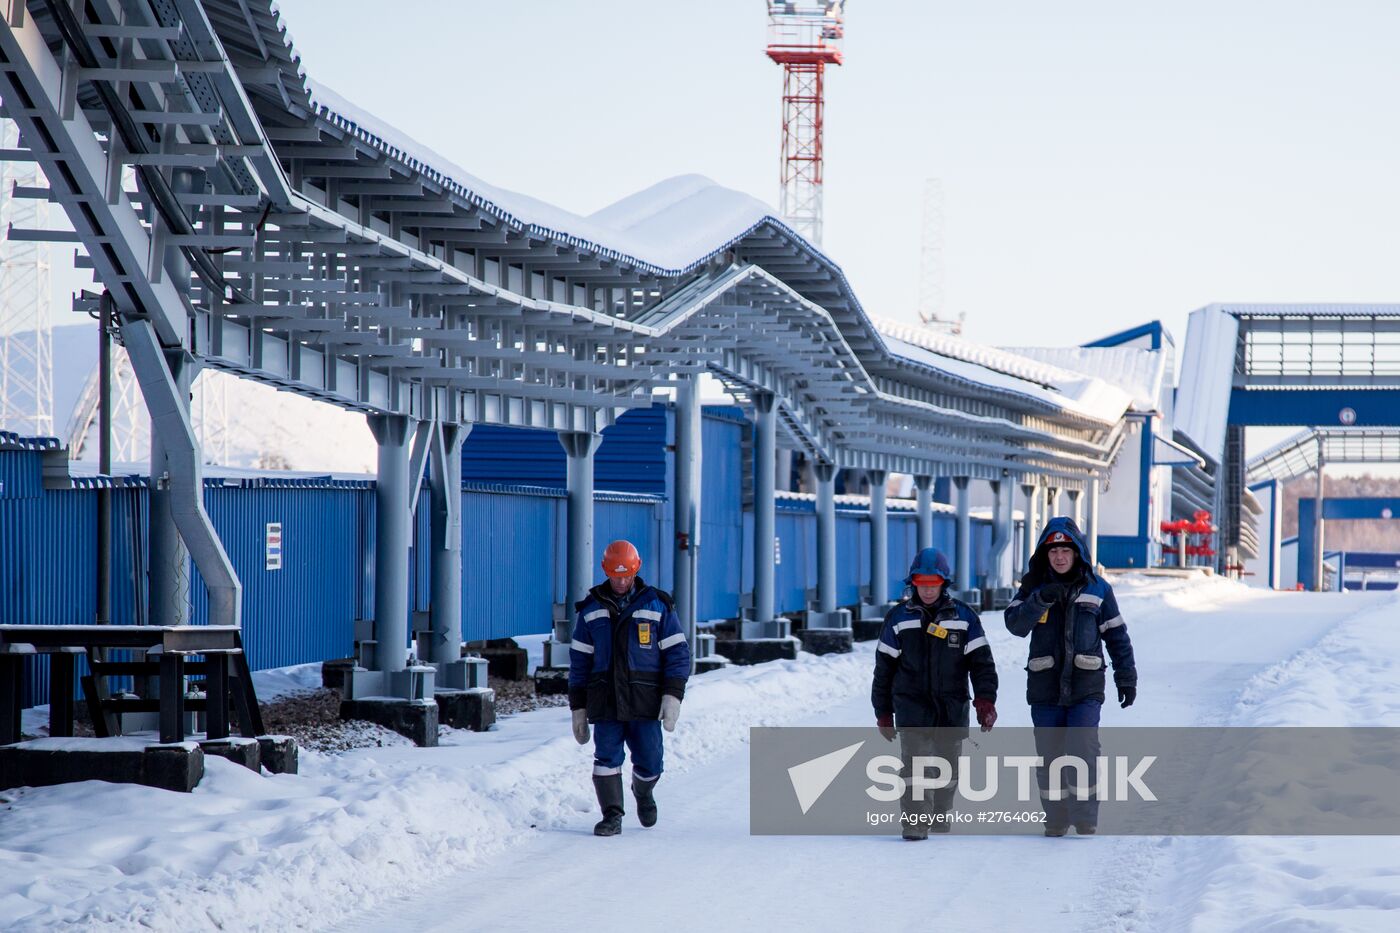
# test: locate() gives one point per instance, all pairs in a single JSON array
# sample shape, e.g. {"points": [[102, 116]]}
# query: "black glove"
{"points": [[1126, 695], [1051, 593]]}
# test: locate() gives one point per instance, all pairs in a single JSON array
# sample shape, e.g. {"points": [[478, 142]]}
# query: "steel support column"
{"points": [[169, 596], [1319, 580], [579, 448], [963, 571], [687, 507], [763, 623], [1076, 510], [1008, 499], [391, 542], [879, 541], [1001, 537], [827, 629], [1030, 529], [1092, 532], [169, 408], [826, 536], [923, 510]]}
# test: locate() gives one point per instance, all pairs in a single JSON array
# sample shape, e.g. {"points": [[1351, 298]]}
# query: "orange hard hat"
{"points": [[621, 560]]}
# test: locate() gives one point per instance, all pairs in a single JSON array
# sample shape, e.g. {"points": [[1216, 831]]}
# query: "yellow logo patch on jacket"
{"points": [[644, 633], [937, 631]]}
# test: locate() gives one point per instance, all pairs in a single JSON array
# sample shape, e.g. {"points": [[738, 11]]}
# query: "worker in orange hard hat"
{"points": [[628, 664]]}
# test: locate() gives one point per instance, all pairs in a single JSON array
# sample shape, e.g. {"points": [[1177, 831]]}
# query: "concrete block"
{"points": [[279, 753], [866, 629], [473, 709], [44, 762], [506, 661], [414, 719], [333, 673], [238, 750], [711, 663], [826, 640], [551, 681], [757, 650]]}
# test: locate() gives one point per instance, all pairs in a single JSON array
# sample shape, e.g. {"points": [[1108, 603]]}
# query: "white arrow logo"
{"points": [[811, 778]]}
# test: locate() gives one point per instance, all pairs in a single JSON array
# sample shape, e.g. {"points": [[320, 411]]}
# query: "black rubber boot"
{"points": [[609, 790], [646, 800], [1086, 829]]}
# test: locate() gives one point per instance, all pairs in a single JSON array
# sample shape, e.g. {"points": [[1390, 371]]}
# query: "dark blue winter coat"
{"points": [[623, 659], [1068, 636], [923, 662]]}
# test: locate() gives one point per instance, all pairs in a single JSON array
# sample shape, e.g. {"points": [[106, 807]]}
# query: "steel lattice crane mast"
{"points": [[804, 37]]}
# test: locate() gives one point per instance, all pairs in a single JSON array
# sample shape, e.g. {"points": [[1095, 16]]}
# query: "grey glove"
{"points": [[670, 712], [581, 726]]}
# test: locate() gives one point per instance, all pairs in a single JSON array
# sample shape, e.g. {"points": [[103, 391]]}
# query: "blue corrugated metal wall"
{"points": [[1122, 551], [306, 610], [510, 569], [631, 458], [724, 544]]}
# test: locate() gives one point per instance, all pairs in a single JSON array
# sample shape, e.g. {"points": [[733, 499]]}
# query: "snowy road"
{"points": [[699, 868], [493, 832]]}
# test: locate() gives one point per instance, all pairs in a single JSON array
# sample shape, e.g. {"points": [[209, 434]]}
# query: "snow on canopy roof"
{"points": [[1138, 371], [682, 221], [1076, 392], [671, 225]]}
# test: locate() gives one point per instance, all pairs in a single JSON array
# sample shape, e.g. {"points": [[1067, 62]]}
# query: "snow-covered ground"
{"points": [[493, 831]]}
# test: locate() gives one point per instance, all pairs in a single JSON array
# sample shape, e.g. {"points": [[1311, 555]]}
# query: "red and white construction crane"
{"points": [[804, 36]]}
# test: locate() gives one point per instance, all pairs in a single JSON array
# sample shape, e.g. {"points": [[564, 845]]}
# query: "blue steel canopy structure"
{"points": [[242, 217], [328, 255]]}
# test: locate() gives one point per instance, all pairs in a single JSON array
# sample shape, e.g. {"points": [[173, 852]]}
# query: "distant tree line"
{"points": [[1368, 535]]}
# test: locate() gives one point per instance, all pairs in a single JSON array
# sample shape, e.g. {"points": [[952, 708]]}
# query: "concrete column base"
{"points": [[972, 597], [827, 640], [758, 650], [279, 754], [552, 677], [754, 629], [1000, 597], [551, 681], [240, 751], [413, 719], [462, 674], [705, 657], [837, 620], [870, 619], [473, 709]]}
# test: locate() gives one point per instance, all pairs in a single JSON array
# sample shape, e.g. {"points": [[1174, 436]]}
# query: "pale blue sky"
{"points": [[1104, 163]]}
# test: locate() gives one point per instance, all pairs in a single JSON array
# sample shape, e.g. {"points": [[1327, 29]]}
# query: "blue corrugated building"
{"points": [[304, 606]]}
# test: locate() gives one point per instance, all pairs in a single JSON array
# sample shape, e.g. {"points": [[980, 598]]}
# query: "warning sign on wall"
{"points": [[274, 546]]}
